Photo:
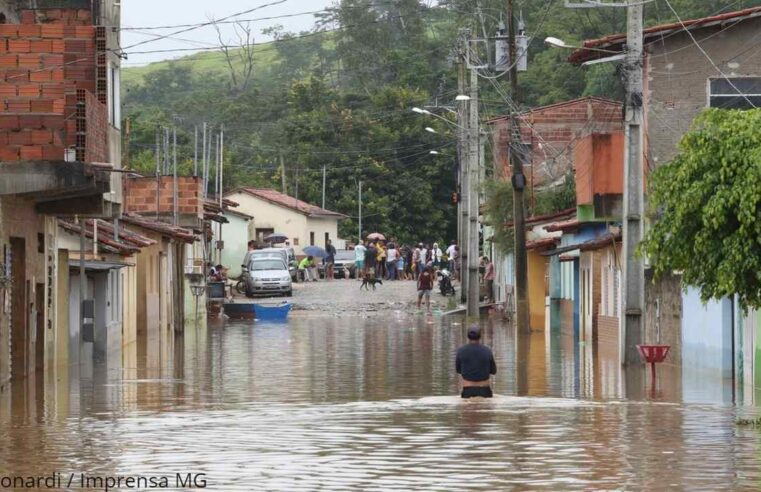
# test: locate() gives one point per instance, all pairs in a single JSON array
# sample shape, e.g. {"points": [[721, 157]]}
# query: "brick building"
{"points": [[682, 79], [549, 134], [59, 142]]}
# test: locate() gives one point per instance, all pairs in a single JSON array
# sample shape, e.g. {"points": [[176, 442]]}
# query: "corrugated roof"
{"points": [[547, 218], [613, 41], [283, 200], [129, 242], [180, 233]]}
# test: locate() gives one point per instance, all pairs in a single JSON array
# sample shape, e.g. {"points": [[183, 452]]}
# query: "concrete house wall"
{"points": [[296, 225], [236, 240]]}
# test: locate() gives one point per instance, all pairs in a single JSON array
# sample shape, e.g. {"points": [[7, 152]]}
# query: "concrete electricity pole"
{"points": [[473, 201], [633, 274], [519, 183], [462, 155], [633, 295]]}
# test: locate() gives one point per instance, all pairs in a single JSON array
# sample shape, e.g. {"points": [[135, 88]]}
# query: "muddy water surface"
{"points": [[355, 403]]}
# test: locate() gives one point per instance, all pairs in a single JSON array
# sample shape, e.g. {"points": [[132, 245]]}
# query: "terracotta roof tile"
{"points": [[286, 201], [607, 42]]}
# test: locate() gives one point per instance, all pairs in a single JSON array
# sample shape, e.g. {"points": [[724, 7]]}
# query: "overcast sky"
{"points": [[147, 13]]}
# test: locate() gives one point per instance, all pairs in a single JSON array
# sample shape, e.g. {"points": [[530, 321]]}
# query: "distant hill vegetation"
{"points": [[342, 98]]}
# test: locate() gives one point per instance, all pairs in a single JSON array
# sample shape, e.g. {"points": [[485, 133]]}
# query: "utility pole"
{"points": [[519, 183], [203, 159], [221, 165], [158, 172], [473, 200], [463, 153], [633, 274], [323, 186], [175, 208], [195, 150], [462, 168], [359, 235], [282, 174], [513, 52]]}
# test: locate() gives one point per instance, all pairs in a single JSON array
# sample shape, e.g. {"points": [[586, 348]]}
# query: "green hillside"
{"points": [[342, 100]]}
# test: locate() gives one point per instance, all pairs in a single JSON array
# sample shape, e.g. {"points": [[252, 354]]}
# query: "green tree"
{"points": [[707, 203]]}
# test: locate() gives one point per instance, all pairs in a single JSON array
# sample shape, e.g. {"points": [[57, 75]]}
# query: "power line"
{"points": [[689, 33], [209, 23]]}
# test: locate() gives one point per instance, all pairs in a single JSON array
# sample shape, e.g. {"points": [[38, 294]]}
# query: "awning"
{"points": [[97, 266], [560, 250]]}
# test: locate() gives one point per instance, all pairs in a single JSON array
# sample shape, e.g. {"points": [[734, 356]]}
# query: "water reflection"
{"points": [[349, 403]]}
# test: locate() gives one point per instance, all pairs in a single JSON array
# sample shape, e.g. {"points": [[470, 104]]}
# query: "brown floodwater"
{"points": [[370, 403]]}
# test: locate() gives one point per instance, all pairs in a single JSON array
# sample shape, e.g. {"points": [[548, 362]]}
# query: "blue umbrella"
{"points": [[315, 251]]}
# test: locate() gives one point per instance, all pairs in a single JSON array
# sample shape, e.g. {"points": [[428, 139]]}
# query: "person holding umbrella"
{"points": [[329, 260]]}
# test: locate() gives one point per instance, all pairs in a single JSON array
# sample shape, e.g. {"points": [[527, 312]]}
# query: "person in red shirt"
{"points": [[489, 275], [424, 287]]}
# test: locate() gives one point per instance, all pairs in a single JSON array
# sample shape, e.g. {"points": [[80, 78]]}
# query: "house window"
{"points": [[735, 93], [311, 238], [261, 233], [295, 241], [114, 102]]}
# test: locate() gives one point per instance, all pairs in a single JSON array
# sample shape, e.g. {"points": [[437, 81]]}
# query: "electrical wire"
{"points": [[700, 48]]}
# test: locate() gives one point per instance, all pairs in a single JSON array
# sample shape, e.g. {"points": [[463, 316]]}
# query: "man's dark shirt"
{"points": [[370, 255], [475, 362], [331, 250]]}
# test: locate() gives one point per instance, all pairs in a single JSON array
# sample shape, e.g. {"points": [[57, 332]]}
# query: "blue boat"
{"points": [[240, 310], [272, 313], [260, 312]]}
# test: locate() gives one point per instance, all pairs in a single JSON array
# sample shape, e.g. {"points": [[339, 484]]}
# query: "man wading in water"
{"points": [[475, 363]]}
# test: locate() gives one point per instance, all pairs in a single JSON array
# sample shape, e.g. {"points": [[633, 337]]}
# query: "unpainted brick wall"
{"points": [[556, 128], [140, 195], [44, 61], [676, 86]]}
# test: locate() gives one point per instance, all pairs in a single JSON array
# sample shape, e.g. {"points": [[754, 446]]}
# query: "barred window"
{"points": [[735, 93]]}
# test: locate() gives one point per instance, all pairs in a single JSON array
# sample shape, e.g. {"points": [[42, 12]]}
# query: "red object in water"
{"points": [[653, 353]]}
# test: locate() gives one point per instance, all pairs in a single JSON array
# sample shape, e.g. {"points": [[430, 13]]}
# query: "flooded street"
{"points": [[355, 403]]}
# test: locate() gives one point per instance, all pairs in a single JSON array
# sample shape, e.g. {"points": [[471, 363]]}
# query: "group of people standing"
{"points": [[387, 261]]}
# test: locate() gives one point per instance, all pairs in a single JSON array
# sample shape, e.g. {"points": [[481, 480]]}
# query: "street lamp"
{"points": [[462, 97], [434, 152], [559, 43], [430, 130], [420, 111]]}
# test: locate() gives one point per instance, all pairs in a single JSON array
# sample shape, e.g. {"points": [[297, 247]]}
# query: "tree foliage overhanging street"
{"points": [[707, 203], [341, 99]]}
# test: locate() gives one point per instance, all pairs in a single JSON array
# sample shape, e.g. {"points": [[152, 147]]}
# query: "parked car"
{"points": [[344, 261], [288, 255], [268, 275]]}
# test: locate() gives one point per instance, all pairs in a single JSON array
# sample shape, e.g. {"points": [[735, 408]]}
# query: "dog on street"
{"points": [[370, 281]]}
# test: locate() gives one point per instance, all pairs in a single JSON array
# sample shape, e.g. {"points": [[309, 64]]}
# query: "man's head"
{"points": [[329, 242], [309, 258], [474, 333], [252, 244]]}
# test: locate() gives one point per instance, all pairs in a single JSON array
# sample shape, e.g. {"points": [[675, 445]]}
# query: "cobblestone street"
{"points": [[344, 297]]}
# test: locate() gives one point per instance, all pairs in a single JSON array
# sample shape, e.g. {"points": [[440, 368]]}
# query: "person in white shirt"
{"points": [[450, 256], [423, 257], [392, 254], [359, 260], [436, 255]]}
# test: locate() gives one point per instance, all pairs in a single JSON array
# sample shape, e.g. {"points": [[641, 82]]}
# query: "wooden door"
{"points": [[39, 340], [19, 319]]}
